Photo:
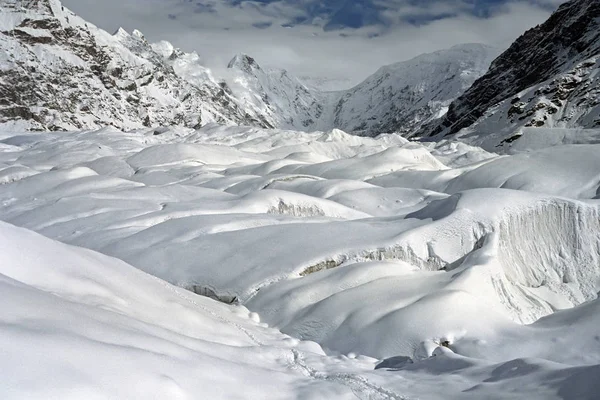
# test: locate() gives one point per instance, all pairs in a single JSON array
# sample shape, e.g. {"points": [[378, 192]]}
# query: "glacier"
{"points": [[169, 234], [332, 265]]}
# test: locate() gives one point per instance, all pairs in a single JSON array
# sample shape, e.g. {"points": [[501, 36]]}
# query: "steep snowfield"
{"points": [[379, 247], [276, 94]]}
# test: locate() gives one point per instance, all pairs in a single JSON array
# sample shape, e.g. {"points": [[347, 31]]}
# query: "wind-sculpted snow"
{"points": [[76, 324], [454, 257]]}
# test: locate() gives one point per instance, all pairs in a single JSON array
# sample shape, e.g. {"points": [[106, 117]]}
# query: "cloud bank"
{"points": [[343, 40]]}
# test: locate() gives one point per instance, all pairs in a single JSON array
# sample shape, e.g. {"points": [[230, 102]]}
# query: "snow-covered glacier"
{"points": [[287, 264], [153, 246]]}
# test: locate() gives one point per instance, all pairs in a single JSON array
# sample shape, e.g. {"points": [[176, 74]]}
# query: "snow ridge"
{"points": [[282, 98], [403, 97]]}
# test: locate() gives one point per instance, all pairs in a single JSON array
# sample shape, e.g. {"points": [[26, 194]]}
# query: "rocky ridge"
{"points": [[547, 78], [59, 72]]}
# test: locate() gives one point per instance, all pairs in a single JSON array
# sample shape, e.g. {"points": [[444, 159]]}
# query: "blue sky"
{"points": [[341, 39]]}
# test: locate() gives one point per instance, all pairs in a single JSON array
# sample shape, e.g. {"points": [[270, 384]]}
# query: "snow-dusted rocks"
{"points": [[548, 78], [59, 72]]}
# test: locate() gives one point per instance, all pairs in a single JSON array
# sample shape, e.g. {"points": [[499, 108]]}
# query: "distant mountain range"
{"points": [[59, 72]]}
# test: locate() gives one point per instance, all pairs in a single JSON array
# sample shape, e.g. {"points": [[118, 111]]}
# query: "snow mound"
{"points": [[75, 323], [468, 263]]}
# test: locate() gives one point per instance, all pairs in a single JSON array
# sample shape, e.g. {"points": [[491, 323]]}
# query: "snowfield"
{"points": [[325, 265]]}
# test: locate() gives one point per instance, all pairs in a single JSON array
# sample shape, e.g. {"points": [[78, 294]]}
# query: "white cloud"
{"points": [[306, 49]]}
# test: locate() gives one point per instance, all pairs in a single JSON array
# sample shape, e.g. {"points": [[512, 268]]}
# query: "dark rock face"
{"points": [[570, 36], [62, 73]]}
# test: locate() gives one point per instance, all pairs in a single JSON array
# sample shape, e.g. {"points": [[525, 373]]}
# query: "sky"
{"points": [[341, 41]]}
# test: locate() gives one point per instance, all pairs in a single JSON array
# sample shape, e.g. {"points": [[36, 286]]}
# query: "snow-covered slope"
{"points": [[75, 324], [548, 78], [431, 257], [59, 72], [404, 96]]}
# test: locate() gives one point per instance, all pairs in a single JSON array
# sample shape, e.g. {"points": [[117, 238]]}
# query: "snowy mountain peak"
{"points": [[72, 75], [402, 97], [121, 33], [138, 34], [274, 93], [397, 98], [99, 79], [245, 63]]}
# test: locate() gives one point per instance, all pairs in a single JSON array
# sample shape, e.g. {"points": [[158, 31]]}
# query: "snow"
{"points": [[317, 257], [76, 324], [198, 260], [284, 100]]}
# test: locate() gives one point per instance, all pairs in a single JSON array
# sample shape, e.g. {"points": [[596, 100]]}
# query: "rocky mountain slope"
{"points": [[59, 72], [547, 78]]}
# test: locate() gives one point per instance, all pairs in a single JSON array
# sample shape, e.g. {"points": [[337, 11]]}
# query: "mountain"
{"points": [[398, 98], [280, 97], [59, 72], [547, 78], [403, 96]]}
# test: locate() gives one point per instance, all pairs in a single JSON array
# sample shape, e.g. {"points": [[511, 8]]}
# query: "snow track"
{"points": [[360, 386]]}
